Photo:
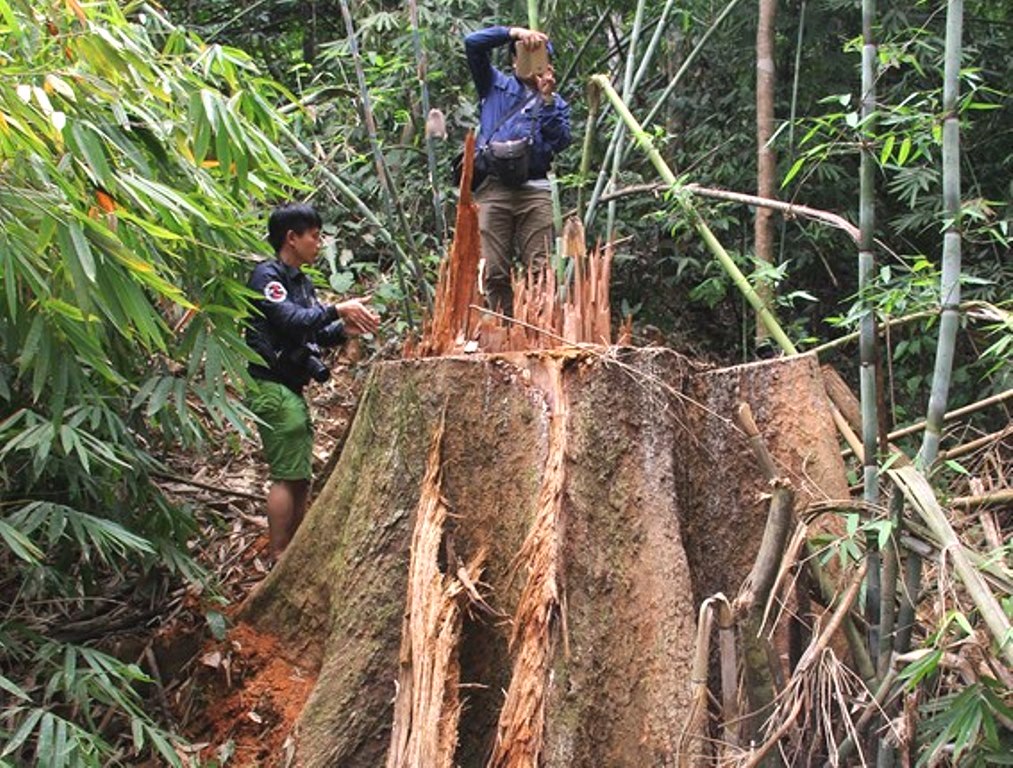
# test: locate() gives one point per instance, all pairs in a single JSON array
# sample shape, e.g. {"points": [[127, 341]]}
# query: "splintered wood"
{"points": [[547, 313], [428, 707], [521, 728]]}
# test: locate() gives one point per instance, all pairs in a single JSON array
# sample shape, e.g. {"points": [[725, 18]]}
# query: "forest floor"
{"points": [[227, 689]]}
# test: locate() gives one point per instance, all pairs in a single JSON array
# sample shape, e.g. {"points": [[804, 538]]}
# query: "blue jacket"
{"points": [[288, 322], [498, 93]]}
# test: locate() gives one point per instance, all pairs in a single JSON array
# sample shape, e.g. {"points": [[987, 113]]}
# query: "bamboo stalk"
{"points": [[1005, 496], [955, 414], [974, 445], [593, 101], [921, 496], [614, 142], [867, 345], [627, 93], [715, 247], [391, 203], [422, 71], [532, 14], [949, 288], [695, 726]]}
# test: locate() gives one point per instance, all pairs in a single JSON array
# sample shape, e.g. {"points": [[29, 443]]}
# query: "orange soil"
{"points": [[252, 699]]}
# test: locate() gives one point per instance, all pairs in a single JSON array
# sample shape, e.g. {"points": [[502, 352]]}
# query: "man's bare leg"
{"points": [[286, 507]]}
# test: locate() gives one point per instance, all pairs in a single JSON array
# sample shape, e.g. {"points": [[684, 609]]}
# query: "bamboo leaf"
{"points": [[13, 689], [884, 154], [23, 731], [904, 151], [793, 171]]}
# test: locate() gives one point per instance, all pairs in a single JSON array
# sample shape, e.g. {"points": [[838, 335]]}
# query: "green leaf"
{"points": [[793, 171], [83, 250], [884, 153], [20, 545], [23, 731], [11, 687], [904, 151], [216, 623]]}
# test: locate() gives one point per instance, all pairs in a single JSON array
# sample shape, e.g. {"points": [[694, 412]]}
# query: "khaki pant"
{"points": [[509, 219]]}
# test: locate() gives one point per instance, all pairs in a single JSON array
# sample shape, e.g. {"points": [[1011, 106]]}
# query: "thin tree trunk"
{"points": [[766, 160], [867, 341], [391, 204], [422, 69]]}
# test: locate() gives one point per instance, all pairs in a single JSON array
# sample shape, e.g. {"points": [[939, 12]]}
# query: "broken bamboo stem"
{"points": [[923, 499], [713, 244], [973, 445]]}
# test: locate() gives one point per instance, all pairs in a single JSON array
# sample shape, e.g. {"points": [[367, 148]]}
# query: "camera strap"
{"points": [[502, 121]]}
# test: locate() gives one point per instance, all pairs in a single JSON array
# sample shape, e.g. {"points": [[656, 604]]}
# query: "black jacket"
{"points": [[288, 322]]}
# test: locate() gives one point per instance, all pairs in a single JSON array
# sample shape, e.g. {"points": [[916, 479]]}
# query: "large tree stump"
{"points": [[610, 494]]}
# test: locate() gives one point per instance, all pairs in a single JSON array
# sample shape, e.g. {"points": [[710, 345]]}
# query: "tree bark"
{"points": [[611, 493]]}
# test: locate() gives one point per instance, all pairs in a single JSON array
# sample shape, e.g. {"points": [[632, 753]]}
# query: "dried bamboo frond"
{"points": [[814, 711], [428, 707], [519, 734], [694, 734]]}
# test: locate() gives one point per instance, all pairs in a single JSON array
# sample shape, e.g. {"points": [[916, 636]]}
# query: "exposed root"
{"points": [[520, 732], [428, 706]]}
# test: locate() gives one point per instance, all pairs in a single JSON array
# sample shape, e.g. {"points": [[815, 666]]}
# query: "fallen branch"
{"points": [[995, 498], [219, 489], [955, 414], [974, 445]]}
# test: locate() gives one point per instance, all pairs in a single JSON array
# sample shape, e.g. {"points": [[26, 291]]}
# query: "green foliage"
{"points": [[967, 724], [135, 161]]}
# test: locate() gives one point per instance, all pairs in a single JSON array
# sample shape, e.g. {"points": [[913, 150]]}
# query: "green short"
{"points": [[286, 431]]}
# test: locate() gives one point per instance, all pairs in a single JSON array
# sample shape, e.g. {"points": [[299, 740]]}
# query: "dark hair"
{"points": [[295, 217]]}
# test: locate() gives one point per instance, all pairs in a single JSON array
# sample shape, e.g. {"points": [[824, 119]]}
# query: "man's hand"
{"points": [[357, 317], [529, 38], [546, 85]]}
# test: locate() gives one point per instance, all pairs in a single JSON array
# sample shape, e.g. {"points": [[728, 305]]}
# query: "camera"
{"points": [[307, 357], [316, 369]]}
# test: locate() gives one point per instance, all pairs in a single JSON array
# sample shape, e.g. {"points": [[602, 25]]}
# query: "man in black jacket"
{"points": [[287, 330]]}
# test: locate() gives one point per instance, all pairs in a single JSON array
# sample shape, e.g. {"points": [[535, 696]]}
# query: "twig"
{"points": [[220, 489], [974, 445], [1005, 496]]}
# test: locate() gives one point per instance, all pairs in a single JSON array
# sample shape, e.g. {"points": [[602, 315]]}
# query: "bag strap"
{"points": [[516, 108]]}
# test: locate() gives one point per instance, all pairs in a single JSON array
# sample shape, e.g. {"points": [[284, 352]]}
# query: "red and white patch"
{"points": [[275, 292]]}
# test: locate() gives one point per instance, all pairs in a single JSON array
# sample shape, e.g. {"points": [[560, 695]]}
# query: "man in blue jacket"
{"points": [[512, 108], [287, 329]]}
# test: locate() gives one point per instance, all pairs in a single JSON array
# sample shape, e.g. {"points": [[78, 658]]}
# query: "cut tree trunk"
{"points": [[593, 499]]}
